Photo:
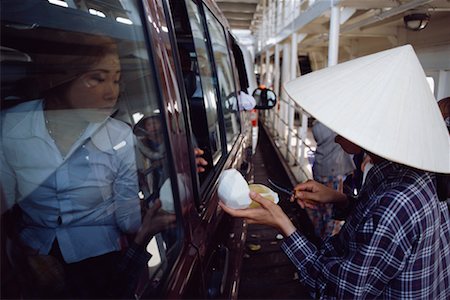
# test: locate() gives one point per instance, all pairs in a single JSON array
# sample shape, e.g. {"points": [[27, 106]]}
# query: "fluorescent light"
{"points": [[96, 13], [124, 20], [241, 31], [59, 3]]}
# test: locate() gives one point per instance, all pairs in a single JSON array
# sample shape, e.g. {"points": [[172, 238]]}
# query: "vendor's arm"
{"points": [[268, 213], [358, 267], [310, 193], [337, 269]]}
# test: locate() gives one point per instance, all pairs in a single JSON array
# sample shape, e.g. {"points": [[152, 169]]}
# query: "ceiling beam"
{"points": [[369, 4], [239, 26], [239, 23], [237, 7], [313, 12], [386, 14], [238, 16], [237, 1], [384, 31]]}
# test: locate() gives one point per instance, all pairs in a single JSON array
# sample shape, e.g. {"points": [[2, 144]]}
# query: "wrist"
{"points": [[142, 238], [287, 228], [341, 200]]}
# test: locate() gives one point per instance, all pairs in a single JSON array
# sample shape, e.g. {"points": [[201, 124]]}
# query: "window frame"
{"points": [[204, 190], [229, 45]]}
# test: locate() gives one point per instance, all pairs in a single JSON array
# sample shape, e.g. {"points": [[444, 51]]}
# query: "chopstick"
{"points": [[280, 187]]}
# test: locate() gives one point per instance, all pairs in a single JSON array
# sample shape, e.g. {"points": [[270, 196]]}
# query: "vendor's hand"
{"points": [[268, 213], [199, 160], [154, 221], [311, 193]]}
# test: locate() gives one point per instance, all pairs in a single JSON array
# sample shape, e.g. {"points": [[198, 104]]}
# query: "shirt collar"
{"points": [[380, 173], [28, 121]]}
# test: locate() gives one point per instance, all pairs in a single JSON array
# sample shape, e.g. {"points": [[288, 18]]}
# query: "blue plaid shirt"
{"points": [[395, 243]]}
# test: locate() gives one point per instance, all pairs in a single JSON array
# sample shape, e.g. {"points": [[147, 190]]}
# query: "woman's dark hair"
{"points": [[70, 57]]}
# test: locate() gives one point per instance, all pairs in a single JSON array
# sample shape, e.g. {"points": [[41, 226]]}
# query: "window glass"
{"points": [[204, 97], [227, 87], [84, 162], [240, 66]]}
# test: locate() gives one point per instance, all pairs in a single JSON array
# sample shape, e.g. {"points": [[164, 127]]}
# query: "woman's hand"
{"points": [[199, 160], [153, 221], [311, 193], [268, 213]]}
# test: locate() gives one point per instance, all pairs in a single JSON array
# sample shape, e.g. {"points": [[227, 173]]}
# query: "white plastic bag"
{"points": [[233, 189], [166, 194], [246, 101]]}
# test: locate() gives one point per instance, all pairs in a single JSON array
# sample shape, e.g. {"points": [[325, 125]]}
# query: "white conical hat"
{"points": [[381, 102]]}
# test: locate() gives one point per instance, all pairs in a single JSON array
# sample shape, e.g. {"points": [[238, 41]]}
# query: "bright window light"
{"points": [[164, 28], [96, 13], [59, 3], [124, 20], [152, 248], [431, 84], [241, 31], [137, 116]]}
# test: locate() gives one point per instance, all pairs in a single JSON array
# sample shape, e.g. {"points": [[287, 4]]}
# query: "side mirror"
{"points": [[265, 98]]}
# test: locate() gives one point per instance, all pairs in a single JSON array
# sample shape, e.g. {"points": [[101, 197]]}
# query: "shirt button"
{"points": [[59, 220]]}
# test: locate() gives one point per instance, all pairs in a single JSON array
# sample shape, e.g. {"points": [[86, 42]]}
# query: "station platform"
{"points": [[267, 273]]}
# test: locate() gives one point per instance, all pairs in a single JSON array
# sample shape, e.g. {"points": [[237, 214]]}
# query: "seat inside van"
{"points": [[18, 79]]}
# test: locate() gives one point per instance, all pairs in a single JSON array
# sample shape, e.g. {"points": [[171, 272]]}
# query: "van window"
{"points": [[84, 153], [209, 83], [224, 70], [205, 95], [240, 66]]}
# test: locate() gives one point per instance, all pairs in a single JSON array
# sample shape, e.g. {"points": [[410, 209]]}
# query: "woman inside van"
{"points": [[69, 174]]}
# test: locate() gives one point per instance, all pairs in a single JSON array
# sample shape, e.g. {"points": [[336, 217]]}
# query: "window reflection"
{"points": [[83, 158], [152, 163]]}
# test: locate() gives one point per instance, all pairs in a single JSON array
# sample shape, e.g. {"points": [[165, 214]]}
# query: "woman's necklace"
{"points": [[63, 129]]}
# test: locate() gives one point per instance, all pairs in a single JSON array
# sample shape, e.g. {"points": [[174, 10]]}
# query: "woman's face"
{"points": [[152, 127], [97, 90]]}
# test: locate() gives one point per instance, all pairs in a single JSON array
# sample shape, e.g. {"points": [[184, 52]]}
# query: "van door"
{"points": [[91, 127], [210, 89]]}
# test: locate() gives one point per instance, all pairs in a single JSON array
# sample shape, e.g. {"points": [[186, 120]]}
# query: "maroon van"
{"points": [[117, 119]]}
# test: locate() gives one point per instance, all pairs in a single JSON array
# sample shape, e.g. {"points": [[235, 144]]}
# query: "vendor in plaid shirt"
{"points": [[395, 243]]}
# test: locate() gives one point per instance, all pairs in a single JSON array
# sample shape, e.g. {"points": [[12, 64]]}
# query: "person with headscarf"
{"points": [[395, 242], [331, 166]]}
